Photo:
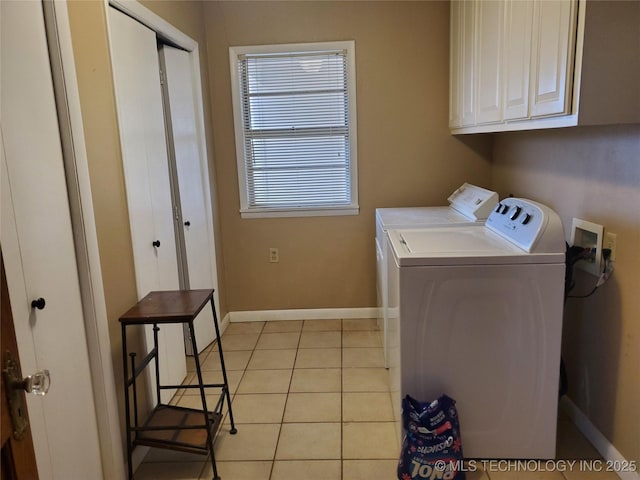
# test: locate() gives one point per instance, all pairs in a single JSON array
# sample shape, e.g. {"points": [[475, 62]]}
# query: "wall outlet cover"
{"points": [[588, 235]]}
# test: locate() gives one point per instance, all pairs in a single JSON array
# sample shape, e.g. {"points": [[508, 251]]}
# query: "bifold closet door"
{"points": [[194, 222], [136, 74]]}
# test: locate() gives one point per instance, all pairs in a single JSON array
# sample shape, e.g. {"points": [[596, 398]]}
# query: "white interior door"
{"points": [[191, 184], [136, 74], [38, 249]]}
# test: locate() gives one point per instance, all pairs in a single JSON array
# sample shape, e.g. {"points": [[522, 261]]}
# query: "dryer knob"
{"points": [[505, 209], [516, 213]]}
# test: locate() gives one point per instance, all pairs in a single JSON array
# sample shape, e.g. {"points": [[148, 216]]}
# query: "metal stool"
{"points": [[169, 426]]}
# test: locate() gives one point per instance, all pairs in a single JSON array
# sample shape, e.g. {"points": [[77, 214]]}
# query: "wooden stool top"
{"points": [[175, 306]]}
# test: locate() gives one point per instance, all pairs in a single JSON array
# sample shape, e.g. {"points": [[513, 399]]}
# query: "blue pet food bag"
{"points": [[432, 447]]}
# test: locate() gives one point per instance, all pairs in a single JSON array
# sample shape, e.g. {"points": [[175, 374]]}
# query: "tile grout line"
{"points": [[341, 399], [286, 402], [233, 396], [342, 367]]}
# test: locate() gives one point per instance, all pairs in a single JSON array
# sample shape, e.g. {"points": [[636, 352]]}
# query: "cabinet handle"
{"points": [[187, 223], [156, 243], [39, 303]]}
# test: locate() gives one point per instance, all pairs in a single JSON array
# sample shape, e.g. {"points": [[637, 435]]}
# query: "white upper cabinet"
{"points": [[529, 64], [511, 61]]}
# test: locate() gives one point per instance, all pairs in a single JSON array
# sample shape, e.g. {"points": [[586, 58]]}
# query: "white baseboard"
{"points": [[302, 314], [225, 323], [137, 456], [598, 440]]}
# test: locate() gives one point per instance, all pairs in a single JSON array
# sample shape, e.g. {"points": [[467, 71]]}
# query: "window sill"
{"points": [[299, 212]]}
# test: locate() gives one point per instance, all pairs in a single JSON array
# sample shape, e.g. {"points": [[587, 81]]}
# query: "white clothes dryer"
{"points": [[476, 313], [468, 205]]}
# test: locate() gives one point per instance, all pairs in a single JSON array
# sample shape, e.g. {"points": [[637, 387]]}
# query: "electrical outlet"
{"points": [[610, 240], [588, 235], [274, 255]]}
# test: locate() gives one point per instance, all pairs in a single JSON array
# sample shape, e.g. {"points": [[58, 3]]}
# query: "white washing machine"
{"points": [[476, 313], [468, 205]]}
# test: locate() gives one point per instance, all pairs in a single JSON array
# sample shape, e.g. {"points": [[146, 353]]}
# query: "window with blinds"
{"points": [[294, 111]]}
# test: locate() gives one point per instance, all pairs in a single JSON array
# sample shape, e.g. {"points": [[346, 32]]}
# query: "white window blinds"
{"points": [[296, 130]]}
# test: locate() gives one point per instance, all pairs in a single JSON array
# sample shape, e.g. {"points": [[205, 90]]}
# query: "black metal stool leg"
{"points": [[205, 411], [126, 402], [233, 430]]}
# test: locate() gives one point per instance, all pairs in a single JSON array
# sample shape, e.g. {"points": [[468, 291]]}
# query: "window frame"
{"points": [[248, 211]]}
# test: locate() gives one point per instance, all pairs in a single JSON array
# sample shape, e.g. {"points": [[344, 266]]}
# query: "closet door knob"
{"points": [[187, 223], [156, 243], [39, 303]]}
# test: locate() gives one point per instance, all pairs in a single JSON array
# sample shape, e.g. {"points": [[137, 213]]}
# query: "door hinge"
{"points": [[161, 77]]}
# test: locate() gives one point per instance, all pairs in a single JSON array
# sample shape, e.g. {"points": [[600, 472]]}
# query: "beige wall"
{"points": [[609, 93], [406, 155], [591, 173]]}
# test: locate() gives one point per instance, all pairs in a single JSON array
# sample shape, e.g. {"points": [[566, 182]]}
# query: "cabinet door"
{"points": [[191, 184], [467, 72], [517, 58], [490, 14], [136, 73], [462, 94], [455, 57], [552, 56]]}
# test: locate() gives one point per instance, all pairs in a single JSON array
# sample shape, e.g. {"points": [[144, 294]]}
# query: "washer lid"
{"points": [[469, 204], [460, 246], [417, 217]]}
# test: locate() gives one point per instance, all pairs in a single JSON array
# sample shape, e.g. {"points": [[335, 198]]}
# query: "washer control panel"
{"points": [[473, 201], [520, 221]]}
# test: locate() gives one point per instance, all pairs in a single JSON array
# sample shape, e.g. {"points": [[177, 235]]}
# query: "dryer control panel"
{"points": [[528, 224]]}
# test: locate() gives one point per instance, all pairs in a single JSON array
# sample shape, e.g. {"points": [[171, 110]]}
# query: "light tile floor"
{"points": [[311, 402]]}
